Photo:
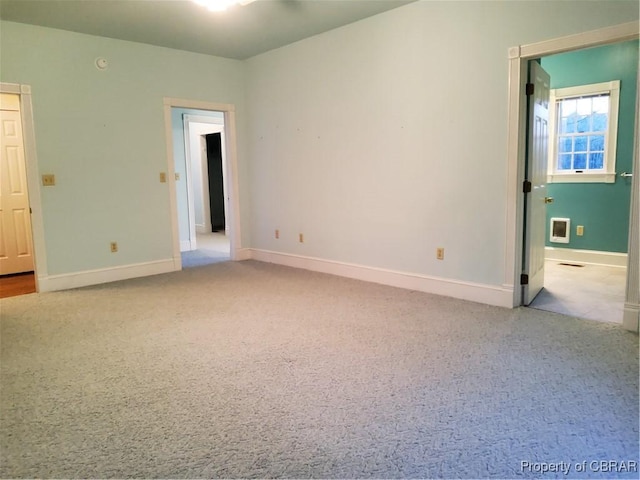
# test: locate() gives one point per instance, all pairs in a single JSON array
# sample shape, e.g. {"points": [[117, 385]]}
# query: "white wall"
{"points": [[386, 139], [102, 134]]}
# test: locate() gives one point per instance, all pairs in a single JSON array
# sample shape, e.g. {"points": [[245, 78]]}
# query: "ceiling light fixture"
{"points": [[221, 5]]}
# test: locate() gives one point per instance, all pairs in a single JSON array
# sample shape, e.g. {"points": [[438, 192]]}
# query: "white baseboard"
{"points": [[242, 254], [631, 317], [475, 292], [589, 257], [50, 283]]}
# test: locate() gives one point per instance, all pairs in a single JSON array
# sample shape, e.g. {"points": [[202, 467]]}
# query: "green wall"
{"points": [[602, 208]]}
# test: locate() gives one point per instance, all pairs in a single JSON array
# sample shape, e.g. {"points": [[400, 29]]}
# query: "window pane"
{"points": [[567, 109], [564, 144], [580, 161], [596, 143], [599, 122], [568, 124], [564, 162], [601, 104], [580, 144], [584, 124], [596, 160], [584, 106]]}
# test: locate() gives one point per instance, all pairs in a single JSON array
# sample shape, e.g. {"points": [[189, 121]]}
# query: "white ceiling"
{"points": [[240, 32]]}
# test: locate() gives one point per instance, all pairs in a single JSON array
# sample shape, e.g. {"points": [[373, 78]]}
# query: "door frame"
{"points": [[33, 178], [233, 217], [514, 243]]}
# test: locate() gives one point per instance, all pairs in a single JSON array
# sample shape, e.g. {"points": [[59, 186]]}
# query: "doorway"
{"points": [[585, 269], [187, 125], [206, 175], [519, 59], [17, 257]]}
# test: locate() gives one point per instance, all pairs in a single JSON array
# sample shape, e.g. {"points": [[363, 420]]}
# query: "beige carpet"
{"points": [[250, 370]]}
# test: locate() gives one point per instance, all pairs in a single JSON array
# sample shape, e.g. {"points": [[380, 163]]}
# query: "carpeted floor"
{"points": [[251, 370]]}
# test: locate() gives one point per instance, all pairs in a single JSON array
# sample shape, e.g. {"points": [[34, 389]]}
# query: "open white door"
{"points": [[16, 247], [536, 181]]}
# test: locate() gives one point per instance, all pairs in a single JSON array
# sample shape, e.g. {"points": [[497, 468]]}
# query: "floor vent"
{"points": [[571, 265]]}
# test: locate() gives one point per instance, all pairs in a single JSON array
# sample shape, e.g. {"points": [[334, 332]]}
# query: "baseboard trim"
{"points": [[631, 317], [589, 257], [50, 283], [242, 254], [475, 292]]}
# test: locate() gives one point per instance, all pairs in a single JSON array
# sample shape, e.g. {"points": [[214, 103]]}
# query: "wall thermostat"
{"points": [[101, 63]]}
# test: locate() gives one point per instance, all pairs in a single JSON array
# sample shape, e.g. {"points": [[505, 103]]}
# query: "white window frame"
{"points": [[608, 174]]}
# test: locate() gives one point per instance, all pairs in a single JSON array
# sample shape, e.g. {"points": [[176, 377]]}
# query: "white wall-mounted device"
{"points": [[559, 230], [102, 63]]}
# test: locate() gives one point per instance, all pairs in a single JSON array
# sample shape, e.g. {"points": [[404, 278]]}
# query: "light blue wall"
{"points": [[602, 208], [380, 141], [102, 134], [177, 115]]}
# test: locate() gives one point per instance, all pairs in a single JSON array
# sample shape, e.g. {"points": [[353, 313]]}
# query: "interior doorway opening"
{"points": [[202, 160], [20, 205], [516, 250]]}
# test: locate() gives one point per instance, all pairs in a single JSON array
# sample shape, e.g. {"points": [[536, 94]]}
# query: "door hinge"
{"points": [[526, 186], [524, 279], [529, 89]]}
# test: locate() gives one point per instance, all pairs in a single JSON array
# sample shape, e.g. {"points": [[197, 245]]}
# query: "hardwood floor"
{"points": [[18, 284]]}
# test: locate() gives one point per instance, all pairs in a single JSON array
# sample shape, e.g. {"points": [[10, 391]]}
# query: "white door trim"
{"points": [[518, 58], [231, 167], [33, 177]]}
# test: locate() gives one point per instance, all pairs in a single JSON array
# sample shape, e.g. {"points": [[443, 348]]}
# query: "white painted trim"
{"points": [[66, 281], [631, 317], [204, 119], [244, 254], [582, 178], [587, 257], [488, 294], [518, 57], [33, 177], [233, 218], [594, 38], [189, 182], [186, 246]]}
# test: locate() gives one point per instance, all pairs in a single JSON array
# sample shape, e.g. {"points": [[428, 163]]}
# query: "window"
{"points": [[583, 122]]}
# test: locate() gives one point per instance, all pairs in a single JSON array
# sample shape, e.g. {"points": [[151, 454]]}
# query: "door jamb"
{"points": [[33, 178], [232, 169], [518, 59]]}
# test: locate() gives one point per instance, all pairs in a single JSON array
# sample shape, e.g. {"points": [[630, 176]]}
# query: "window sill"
{"points": [[582, 178]]}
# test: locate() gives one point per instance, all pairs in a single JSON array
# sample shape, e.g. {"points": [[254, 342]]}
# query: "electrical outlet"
{"points": [[440, 253], [48, 180], [114, 247], [277, 234], [580, 230], [301, 237]]}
